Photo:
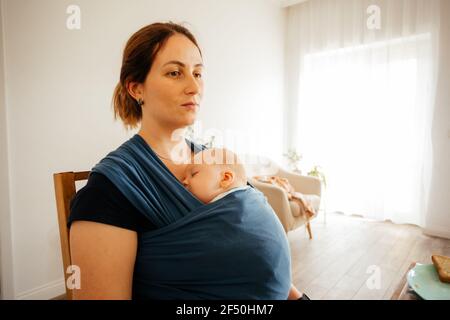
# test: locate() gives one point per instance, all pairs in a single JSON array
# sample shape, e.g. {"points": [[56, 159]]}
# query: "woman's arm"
{"points": [[105, 255]]}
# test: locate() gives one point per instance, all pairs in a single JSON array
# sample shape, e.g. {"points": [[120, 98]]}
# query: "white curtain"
{"points": [[362, 82]]}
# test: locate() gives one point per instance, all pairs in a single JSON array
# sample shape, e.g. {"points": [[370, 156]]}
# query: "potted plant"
{"points": [[293, 158], [317, 172]]}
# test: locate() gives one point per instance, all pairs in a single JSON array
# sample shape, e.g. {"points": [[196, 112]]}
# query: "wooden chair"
{"points": [[65, 190]]}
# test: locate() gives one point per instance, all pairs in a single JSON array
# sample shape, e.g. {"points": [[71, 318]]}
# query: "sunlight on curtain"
{"points": [[364, 103], [364, 127]]}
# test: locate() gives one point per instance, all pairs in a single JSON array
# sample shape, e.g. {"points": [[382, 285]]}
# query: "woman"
{"points": [[117, 218]]}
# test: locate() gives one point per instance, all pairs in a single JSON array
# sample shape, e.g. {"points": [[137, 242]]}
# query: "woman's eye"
{"points": [[174, 73], [194, 173], [178, 73]]}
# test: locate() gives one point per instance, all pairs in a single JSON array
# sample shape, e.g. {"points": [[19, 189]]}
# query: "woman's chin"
{"points": [[189, 120], [183, 120]]}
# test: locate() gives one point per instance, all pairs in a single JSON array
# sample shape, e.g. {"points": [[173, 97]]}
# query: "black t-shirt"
{"points": [[100, 201]]}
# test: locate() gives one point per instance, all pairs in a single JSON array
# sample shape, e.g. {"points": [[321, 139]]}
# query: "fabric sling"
{"points": [[233, 248]]}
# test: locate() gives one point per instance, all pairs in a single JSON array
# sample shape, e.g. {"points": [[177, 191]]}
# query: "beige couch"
{"points": [[287, 211]]}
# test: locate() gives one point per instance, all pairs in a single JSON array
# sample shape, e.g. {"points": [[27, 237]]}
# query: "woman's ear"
{"points": [[227, 179], [135, 89]]}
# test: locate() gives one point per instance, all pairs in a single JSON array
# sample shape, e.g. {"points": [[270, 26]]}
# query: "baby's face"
{"points": [[203, 180]]}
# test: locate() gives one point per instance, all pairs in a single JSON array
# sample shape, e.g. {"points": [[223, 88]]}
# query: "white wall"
{"points": [[438, 215], [6, 265], [58, 87]]}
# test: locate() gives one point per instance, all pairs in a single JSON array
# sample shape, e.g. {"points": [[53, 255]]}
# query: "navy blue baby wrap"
{"points": [[233, 248]]}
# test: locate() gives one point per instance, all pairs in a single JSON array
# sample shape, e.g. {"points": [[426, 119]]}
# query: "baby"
{"points": [[216, 173], [213, 174]]}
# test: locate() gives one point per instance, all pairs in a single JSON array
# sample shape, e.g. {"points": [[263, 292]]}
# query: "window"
{"points": [[362, 116]]}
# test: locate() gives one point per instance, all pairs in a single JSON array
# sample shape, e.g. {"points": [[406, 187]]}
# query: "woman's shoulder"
{"points": [[97, 185], [101, 201]]}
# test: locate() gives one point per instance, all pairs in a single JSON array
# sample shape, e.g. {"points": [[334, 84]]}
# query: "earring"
{"points": [[140, 102]]}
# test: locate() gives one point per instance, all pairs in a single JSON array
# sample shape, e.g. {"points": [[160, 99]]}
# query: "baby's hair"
{"points": [[227, 159]]}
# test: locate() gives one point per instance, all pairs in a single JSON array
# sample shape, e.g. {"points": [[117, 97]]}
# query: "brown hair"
{"points": [[138, 57]]}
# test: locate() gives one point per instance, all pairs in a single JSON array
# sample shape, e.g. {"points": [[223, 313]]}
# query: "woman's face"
{"points": [[175, 78]]}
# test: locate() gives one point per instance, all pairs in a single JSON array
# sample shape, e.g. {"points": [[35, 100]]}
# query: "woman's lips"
{"points": [[189, 106]]}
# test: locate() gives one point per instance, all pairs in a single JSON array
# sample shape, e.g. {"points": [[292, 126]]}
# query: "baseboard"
{"points": [[437, 233], [45, 292]]}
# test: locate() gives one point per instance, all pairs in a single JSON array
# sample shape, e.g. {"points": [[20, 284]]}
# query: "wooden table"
{"points": [[403, 291]]}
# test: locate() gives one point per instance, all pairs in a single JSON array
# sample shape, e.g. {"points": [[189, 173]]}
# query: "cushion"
{"points": [[312, 199]]}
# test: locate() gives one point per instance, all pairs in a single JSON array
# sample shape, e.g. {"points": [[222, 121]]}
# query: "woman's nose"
{"points": [[193, 86]]}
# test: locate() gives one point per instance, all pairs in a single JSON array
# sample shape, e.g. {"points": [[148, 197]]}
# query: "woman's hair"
{"points": [[138, 56]]}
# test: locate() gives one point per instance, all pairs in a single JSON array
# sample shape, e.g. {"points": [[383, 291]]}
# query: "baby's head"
{"points": [[214, 171]]}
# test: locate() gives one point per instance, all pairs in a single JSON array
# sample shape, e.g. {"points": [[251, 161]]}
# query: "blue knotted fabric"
{"points": [[233, 248]]}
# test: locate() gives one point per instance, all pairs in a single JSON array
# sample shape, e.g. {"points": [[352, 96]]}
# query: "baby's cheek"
{"points": [[196, 184]]}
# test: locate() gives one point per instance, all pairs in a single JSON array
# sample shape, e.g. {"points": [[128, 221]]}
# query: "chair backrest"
{"points": [[65, 190]]}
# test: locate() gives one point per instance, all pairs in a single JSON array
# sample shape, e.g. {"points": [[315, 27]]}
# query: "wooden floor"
{"points": [[336, 263]]}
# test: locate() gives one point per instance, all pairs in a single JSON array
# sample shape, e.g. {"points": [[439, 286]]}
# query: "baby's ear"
{"points": [[227, 179]]}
